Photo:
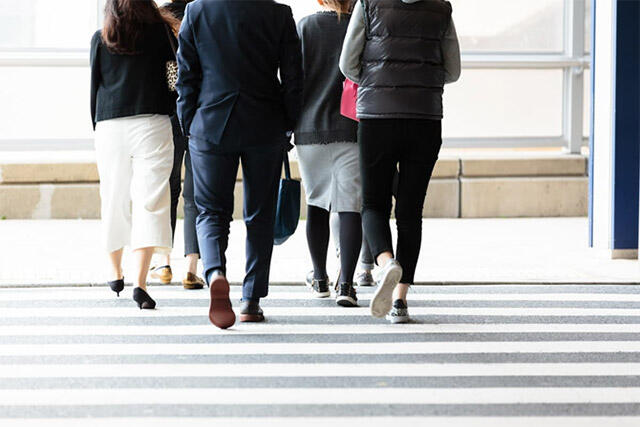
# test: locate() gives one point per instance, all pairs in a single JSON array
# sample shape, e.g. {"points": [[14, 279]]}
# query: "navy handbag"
{"points": [[288, 208]]}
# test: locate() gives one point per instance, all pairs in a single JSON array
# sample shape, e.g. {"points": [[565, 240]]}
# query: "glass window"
{"points": [[495, 25], [504, 103], [38, 24], [46, 102], [510, 25], [587, 27]]}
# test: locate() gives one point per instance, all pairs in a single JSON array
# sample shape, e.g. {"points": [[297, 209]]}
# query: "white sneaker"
{"points": [[382, 300]]}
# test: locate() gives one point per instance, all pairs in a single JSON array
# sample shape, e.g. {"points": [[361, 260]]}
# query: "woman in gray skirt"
{"points": [[328, 151]]}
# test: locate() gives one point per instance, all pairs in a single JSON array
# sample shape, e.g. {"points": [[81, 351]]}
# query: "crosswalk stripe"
{"points": [[352, 320], [292, 329], [321, 348], [491, 337], [355, 382], [302, 396], [319, 370], [345, 410], [131, 311], [536, 358], [309, 303], [365, 421], [608, 291], [104, 294]]}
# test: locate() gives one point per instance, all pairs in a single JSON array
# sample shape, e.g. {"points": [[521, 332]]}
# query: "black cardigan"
{"points": [[129, 85], [322, 35]]}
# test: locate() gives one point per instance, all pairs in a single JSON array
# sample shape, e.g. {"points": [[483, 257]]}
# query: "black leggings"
{"points": [[414, 145], [318, 240]]}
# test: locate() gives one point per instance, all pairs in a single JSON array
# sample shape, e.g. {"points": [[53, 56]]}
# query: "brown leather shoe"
{"points": [[220, 311], [193, 282], [162, 273]]}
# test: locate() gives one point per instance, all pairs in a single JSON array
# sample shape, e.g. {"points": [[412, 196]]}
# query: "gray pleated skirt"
{"points": [[331, 176]]}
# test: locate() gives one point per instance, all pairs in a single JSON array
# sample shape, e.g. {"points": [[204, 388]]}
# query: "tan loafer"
{"points": [[193, 282], [162, 273]]}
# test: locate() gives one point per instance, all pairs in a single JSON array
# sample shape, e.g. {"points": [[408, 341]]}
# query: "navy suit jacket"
{"points": [[240, 74]]}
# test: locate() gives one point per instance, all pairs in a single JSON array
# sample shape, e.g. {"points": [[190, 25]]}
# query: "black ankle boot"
{"points": [[142, 298]]}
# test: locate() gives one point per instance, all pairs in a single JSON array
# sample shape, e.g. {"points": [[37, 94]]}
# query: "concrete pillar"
{"points": [[615, 137]]}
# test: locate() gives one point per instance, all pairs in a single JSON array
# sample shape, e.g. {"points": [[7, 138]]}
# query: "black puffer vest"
{"points": [[402, 64]]}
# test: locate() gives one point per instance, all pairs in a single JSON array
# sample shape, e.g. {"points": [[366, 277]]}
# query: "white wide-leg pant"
{"points": [[135, 158]]}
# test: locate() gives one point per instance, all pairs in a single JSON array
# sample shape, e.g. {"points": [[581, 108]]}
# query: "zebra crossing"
{"points": [[556, 355]]}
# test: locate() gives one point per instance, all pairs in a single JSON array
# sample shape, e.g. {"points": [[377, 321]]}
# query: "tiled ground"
{"points": [[540, 250]]}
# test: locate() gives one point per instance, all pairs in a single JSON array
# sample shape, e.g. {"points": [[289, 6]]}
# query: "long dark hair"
{"points": [[124, 22]]}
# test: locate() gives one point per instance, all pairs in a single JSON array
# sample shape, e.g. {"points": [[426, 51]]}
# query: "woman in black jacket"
{"points": [[181, 152], [130, 107]]}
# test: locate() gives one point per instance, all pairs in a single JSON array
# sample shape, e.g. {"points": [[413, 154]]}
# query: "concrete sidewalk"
{"points": [[455, 251]]}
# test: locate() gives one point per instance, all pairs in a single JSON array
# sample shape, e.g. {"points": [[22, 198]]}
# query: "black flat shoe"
{"points": [[142, 298], [117, 286], [251, 312]]}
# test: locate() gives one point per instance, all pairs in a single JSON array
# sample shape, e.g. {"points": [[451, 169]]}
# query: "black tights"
{"points": [[318, 240]]}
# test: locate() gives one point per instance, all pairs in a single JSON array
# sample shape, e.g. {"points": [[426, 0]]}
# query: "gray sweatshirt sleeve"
{"points": [[451, 54], [354, 42]]}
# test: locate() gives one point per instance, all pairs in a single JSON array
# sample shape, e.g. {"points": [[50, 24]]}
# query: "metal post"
{"points": [[574, 76]]}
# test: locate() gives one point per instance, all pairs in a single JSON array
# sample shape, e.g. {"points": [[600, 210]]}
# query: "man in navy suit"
{"points": [[240, 91]]}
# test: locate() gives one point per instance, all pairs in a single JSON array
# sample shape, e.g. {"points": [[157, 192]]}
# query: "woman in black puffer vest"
{"points": [[401, 53]]}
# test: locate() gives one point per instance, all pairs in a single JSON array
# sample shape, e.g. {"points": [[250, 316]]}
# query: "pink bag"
{"points": [[349, 100]]}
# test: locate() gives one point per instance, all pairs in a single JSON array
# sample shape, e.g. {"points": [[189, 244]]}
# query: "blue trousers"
{"points": [[214, 177]]}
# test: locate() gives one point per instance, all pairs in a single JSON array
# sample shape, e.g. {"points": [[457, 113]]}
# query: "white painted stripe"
{"points": [[132, 311], [104, 294], [321, 348], [265, 328], [334, 422], [313, 396], [318, 370]]}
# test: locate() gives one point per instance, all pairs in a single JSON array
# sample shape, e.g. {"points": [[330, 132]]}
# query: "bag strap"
{"points": [[171, 38], [287, 166]]}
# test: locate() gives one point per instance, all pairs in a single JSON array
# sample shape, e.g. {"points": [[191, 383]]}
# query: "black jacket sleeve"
{"points": [[189, 75], [291, 74], [94, 60]]}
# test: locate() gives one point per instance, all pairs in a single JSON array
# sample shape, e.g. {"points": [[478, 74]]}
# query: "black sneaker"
{"points": [[399, 312], [320, 288], [346, 295]]}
